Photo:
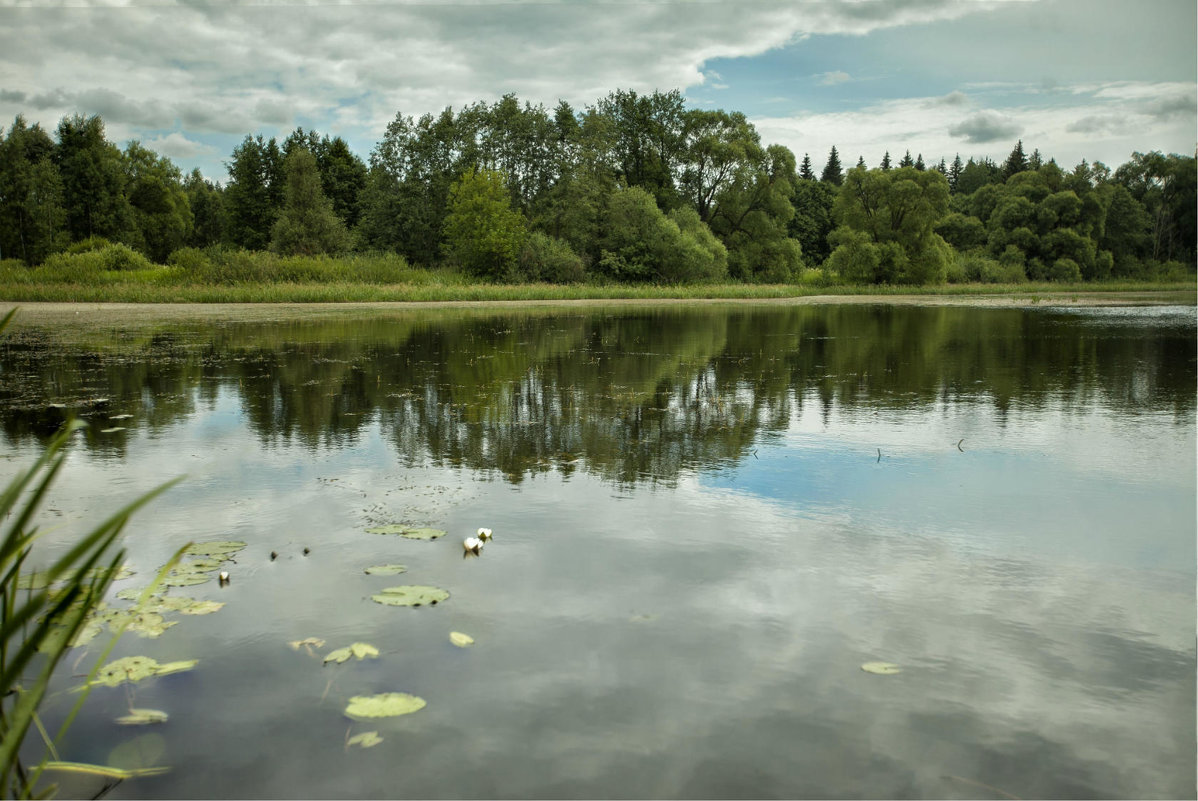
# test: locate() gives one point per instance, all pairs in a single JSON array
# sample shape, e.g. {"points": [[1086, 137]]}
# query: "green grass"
{"points": [[224, 276]]}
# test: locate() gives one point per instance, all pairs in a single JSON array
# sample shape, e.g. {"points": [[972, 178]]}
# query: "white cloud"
{"points": [[178, 147], [223, 67], [1103, 123]]}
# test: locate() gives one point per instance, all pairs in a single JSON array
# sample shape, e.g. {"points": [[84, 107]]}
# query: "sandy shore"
{"points": [[145, 312]]}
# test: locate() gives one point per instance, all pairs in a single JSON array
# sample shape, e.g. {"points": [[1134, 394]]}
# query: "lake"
{"points": [[706, 519]]}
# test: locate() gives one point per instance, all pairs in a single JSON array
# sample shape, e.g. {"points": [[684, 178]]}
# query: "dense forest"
{"points": [[637, 188]]}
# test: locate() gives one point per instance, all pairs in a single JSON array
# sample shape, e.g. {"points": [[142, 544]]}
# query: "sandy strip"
{"points": [[145, 312]]}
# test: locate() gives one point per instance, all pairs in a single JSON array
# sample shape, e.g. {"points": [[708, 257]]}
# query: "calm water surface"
{"points": [[706, 521]]}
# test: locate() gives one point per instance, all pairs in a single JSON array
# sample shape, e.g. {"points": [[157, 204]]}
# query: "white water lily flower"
{"points": [[484, 534], [472, 544]]}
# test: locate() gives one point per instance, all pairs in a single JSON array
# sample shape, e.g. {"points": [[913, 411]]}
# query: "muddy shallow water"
{"points": [[707, 518]]}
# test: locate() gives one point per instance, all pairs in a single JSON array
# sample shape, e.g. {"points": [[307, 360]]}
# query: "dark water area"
{"points": [[706, 520]]}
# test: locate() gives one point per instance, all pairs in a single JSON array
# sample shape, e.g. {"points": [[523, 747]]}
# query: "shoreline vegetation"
{"points": [[635, 197]]}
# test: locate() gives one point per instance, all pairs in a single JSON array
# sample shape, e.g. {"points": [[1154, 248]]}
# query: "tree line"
{"points": [[636, 188]]}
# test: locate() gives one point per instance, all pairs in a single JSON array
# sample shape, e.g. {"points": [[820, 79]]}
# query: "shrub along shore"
{"points": [[99, 271]]}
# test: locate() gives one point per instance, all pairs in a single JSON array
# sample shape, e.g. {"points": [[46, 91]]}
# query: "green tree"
{"points": [[812, 221], [720, 147], [752, 216], [32, 216], [483, 233], [640, 243], [954, 173], [308, 225], [833, 174], [254, 194], [885, 166], [906, 160], [1016, 162], [898, 212], [93, 181], [805, 171], [161, 211], [210, 218]]}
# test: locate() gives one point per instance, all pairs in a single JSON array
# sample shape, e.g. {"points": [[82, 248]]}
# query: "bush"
{"points": [[192, 261], [92, 243], [978, 268], [549, 259], [122, 257], [1066, 270]]}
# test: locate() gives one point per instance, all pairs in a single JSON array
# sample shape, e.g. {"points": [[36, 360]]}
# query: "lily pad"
{"points": [[176, 667], [461, 640], [186, 579], [383, 705], [306, 643], [119, 416], [386, 570], [131, 668], [142, 717], [881, 668], [367, 739], [410, 595], [219, 548], [201, 564], [112, 430], [360, 650], [201, 607], [411, 532]]}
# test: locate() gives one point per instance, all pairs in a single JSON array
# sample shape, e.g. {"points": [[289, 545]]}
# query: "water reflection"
{"points": [[642, 395], [706, 520]]}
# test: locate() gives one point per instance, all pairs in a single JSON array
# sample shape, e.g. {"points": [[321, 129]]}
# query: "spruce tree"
{"points": [[886, 162], [907, 161], [954, 172], [833, 174], [919, 165], [805, 171], [861, 161], [307, 226], [1016, 162]]}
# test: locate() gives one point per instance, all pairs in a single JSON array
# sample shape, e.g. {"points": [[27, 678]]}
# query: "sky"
{"points": [[1092, 79]]}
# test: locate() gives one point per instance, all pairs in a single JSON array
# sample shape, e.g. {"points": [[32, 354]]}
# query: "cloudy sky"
{"points": [[1094, 79]]}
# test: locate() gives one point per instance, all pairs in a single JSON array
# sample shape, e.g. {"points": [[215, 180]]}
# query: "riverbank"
{"points": [[1028, 297], [985, 294]]}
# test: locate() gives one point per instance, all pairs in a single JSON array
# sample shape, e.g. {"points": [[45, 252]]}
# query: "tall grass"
{"points": [[44, 616], [107, 273]]}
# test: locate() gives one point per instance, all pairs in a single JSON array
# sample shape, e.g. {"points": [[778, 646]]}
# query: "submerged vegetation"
{"points": [[634, 192]]}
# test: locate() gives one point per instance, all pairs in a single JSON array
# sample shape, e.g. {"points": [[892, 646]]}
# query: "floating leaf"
{"points": [[393, 529], [383, 705], [131, 668], [338, 656], [220, 548], [129, 594], [411, 532], [410, 595], [360, 650], [881, 668], [460, 640], [142, 717], [201, 564], [298, 644], [367, 739], [386, 570], [186, 580], [176, 667], [201, 607], [103, 770], [423, 534], [119, 416], [112, 430]]}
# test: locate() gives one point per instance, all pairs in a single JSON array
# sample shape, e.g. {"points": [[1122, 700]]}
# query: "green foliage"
{"points": [[44, 620], [897, 211], [161, 212], [483, 233], [832, 174], [812, 221], [307, 225], [752, 217], [639, 243], [255, 192], [93, 181], [210, 217], [549, 259]]}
